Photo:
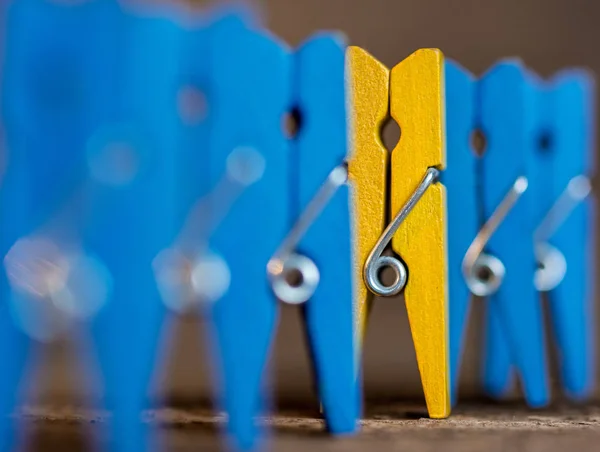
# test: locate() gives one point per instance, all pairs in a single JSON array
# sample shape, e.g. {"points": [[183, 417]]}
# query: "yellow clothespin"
{"points": [[413, 94]]}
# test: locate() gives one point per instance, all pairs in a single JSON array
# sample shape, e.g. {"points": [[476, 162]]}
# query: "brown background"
{"points": [[547, 34]]}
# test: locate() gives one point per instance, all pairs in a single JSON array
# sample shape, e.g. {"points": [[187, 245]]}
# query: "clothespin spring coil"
{"points": [[375, 262]]}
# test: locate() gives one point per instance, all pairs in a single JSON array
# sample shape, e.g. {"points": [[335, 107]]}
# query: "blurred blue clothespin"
{"points": [[288, 183], [150, 217], [562, 154], [568, 226], [135, 166], [51, 101], [489, 194]]}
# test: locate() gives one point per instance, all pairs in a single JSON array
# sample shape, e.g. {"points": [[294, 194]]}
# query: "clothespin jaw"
{"points": [[417, 104], [460, 180], [368, 84]]}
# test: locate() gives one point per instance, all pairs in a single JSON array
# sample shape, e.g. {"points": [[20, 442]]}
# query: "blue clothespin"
{"points": [[133, 162], [499, 263], [296, 181], [54, 55], [571, 300], [461, 171], [167, 109], [251, 76], [561, 151], [319, 155]]}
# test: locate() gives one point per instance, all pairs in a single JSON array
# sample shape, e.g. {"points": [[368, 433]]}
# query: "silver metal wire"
{"points": [[552, 263], [576, 191], [484, 273], [294, 278], [376, 262], [187, 272]]}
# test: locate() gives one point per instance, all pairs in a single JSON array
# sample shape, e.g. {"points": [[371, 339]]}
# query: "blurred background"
{"points": [[547, 34]]}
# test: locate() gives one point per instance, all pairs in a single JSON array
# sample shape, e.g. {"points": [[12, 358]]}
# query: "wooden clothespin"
{"points": [[490, 223], [413, 94], [55, 91], [134, 181], [561, 163], [292, 220]]}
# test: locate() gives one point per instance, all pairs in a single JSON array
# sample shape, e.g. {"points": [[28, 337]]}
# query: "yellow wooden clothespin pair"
{"points": [[412, 93]]}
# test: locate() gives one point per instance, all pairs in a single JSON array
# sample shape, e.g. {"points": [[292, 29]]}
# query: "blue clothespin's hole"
{"points": [[545, 142], [478, 142], [114, 156], [192, 105], [292, 123]]}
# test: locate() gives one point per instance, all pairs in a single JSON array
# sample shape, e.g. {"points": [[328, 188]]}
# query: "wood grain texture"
{"points": [[417, 104], [368, 106]]}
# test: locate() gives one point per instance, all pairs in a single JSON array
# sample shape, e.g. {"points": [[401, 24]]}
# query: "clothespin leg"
{"points": [[329, 318], [571, 310], [497, 365]]}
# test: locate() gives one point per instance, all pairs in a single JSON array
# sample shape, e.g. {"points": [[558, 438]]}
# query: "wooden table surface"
{"points": [[473, 427]]}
